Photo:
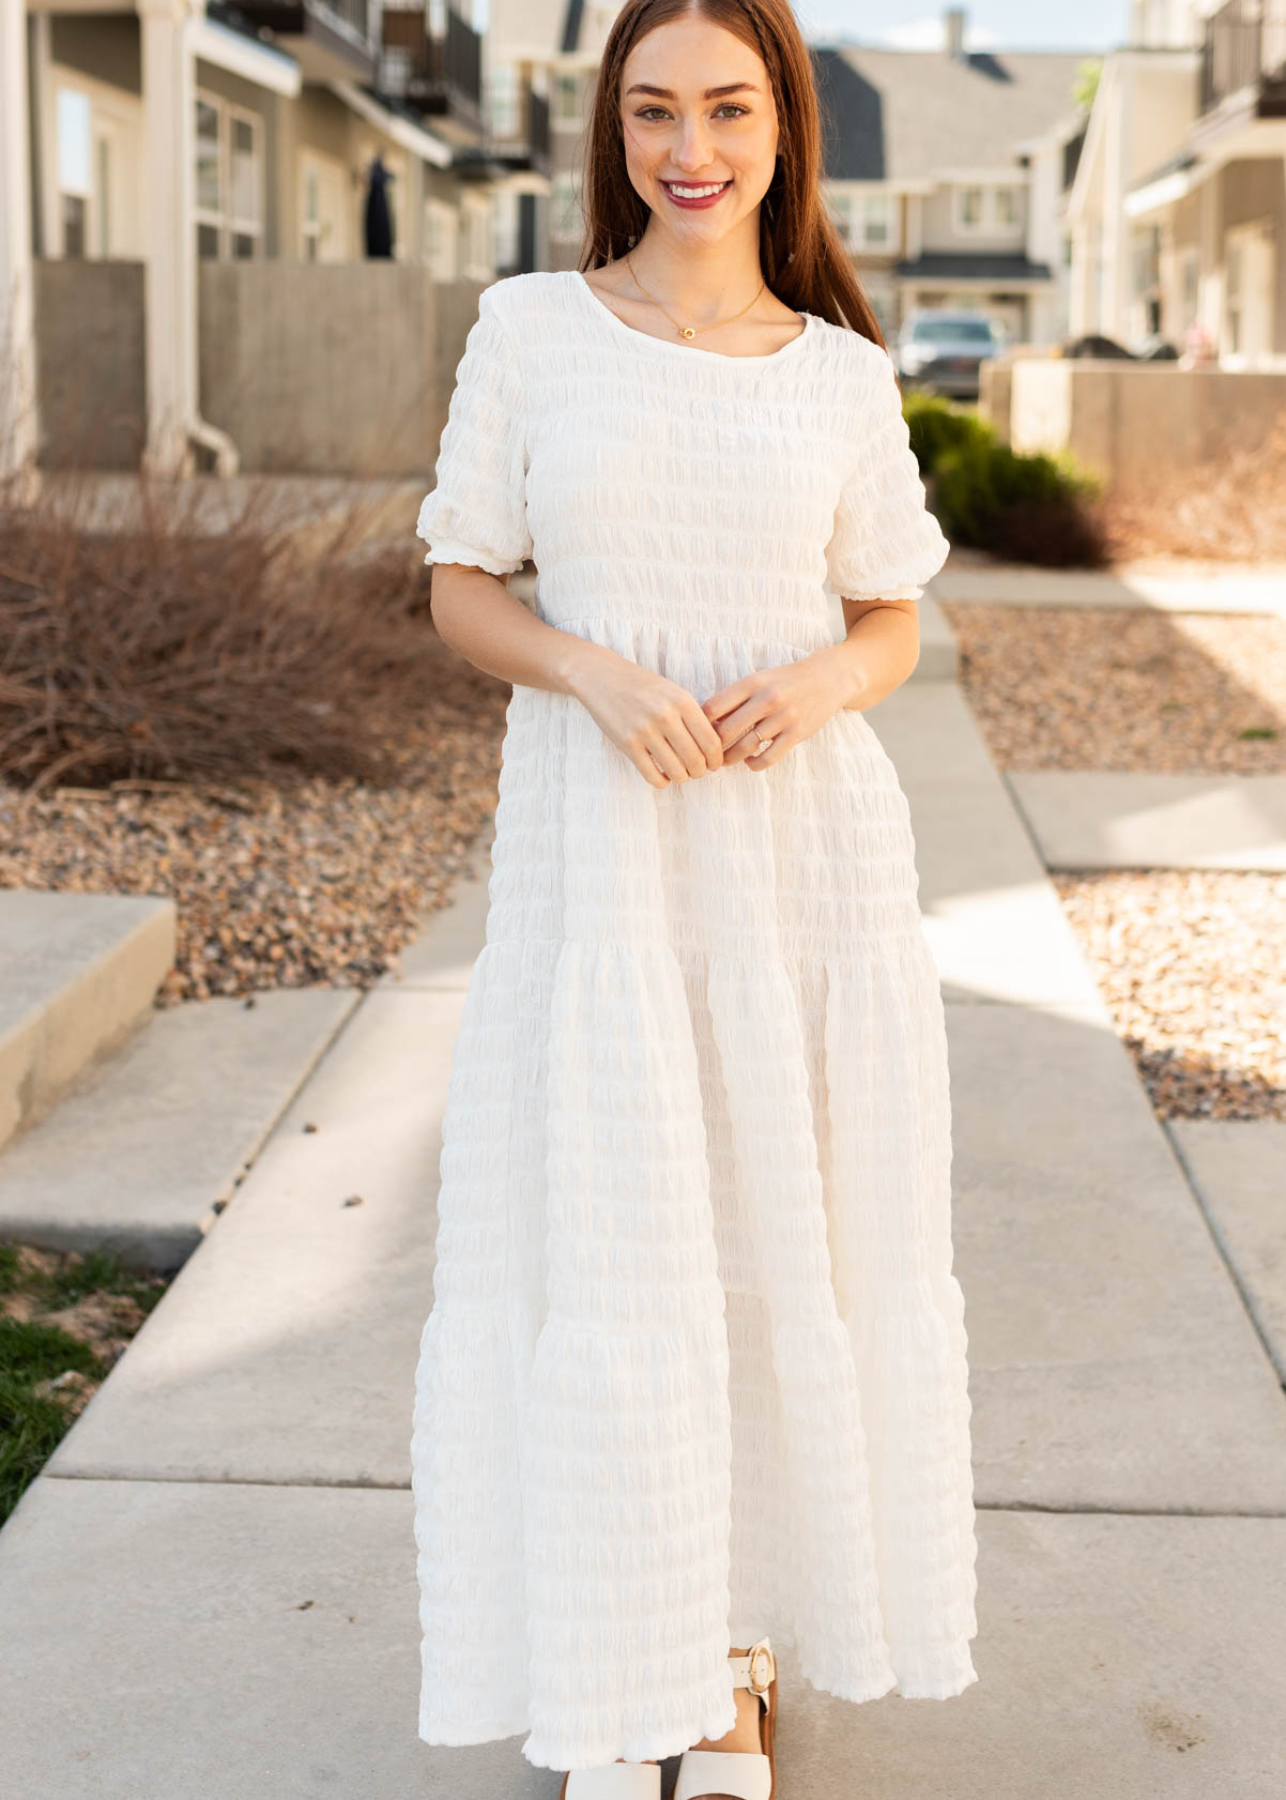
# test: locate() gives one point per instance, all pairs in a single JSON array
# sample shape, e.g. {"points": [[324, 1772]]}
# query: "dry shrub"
{"points": [[1233, 510], [190, 648]]}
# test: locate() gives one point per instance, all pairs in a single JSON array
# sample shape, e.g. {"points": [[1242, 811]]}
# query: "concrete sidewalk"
{"points": [[212, 1583]]}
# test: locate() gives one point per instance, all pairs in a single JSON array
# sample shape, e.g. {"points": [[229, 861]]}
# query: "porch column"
{"points": [[169, 195], [18, 436]]}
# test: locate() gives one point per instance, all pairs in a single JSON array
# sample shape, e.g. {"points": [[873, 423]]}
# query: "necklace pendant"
{"points": [[688, 331]]}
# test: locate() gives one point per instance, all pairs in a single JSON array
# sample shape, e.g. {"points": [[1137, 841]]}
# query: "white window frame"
{"points": [[222, 219], [573, 119], [971, 227], [477, 235], [566, 223], [852, 207], [504, 99], [1014, 222], [310, 160], [989, 220], [441, 239]]}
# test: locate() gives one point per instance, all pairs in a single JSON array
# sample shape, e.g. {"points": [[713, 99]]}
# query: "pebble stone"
{"points": [[1192, 963]]}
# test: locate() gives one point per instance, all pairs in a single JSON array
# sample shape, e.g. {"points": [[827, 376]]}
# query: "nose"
{"points": [[692, 149]]}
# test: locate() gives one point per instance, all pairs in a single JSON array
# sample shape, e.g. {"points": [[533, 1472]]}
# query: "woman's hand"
{"points": [[786, 704], [657, 723]]}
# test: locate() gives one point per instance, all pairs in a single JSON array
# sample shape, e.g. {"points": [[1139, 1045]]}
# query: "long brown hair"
{"points": [[801, 256]]}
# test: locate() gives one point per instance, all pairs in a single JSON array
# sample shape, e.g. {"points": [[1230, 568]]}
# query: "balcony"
{"points": [[329, 39], [440, 76], [1245, 52]]}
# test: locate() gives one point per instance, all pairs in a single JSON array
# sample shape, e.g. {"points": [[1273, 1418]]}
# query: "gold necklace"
{"points": [[690, 331]]}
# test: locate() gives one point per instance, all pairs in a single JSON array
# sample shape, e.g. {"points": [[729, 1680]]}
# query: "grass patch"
{"points": [[65, 1319]]}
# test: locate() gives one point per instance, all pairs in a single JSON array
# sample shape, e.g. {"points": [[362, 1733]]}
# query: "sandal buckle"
{"points": [[761, 1667]]}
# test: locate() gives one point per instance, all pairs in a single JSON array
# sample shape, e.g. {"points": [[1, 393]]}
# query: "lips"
{"points": [[696, 201]]}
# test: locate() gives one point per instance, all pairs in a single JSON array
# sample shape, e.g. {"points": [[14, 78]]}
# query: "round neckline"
{"points": [[667, 348]]}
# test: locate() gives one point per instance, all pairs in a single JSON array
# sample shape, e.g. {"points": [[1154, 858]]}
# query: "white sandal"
{"points": [[738, 1772], [617, 1781]]}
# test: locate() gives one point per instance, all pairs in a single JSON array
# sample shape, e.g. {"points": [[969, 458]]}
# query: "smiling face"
{"points": [[699, 127]]}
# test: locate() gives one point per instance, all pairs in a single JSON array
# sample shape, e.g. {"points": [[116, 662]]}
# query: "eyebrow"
{"points": [[731, 87]]}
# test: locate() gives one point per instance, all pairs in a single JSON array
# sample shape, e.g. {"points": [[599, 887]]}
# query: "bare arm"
{"points": [[477, 615], [657, 723], [881, 648]]}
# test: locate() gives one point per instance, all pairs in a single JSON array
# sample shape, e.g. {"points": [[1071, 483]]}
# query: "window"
{"points": [[1006, 208], [478, 239], [567, 101], [980, 207], [441, 238], [878, 221], [865, 220], [229, 180], [505, 97], [567, 226], [74, 140], [323, 192]]}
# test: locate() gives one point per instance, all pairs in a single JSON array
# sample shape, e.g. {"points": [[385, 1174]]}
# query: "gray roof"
{"points": [[970, 265], [903, 115]]}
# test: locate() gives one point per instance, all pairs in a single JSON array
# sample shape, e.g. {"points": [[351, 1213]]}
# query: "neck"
{"points": [[700, 283]]}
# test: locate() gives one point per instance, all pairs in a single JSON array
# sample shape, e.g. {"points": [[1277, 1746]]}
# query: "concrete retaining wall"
{"points": [[1134, 423], [91, 382], [312, 368], [331, 368]]}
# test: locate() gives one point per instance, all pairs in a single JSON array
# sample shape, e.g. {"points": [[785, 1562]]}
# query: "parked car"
{"points": [[942, 351]]}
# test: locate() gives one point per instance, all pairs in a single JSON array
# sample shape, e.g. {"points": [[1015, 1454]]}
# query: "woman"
{"points": [[694, 1381]]}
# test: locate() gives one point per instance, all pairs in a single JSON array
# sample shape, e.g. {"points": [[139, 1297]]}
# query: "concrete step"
{"points": [[1113, 1363], [1103, 819], [151, 1144], [78, 975], [285, 1351], [1228, 588], [1238, 1169], [273, 1631]]}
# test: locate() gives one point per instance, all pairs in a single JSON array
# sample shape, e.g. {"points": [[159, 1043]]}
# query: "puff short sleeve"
{"points": [[886, 543], [477, 511]]}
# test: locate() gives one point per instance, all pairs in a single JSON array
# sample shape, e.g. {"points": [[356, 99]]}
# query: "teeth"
{"points": [[695, 193]]}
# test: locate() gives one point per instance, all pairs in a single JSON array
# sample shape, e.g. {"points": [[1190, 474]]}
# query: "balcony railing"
{"points": [[1245, 46], [538, 128], [436, 74]]}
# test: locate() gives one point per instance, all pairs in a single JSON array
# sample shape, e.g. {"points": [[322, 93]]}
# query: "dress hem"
{"points": [[661, 1746]]}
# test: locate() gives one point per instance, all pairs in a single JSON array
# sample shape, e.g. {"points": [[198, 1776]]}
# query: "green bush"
{"points": [[938, 427], [1032, 509]]}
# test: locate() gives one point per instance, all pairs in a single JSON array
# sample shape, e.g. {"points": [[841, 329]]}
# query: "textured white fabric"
{"points": [[695, 1369]]}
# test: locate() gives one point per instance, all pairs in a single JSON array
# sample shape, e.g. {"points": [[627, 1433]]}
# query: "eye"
{"points": [[730, 107]]}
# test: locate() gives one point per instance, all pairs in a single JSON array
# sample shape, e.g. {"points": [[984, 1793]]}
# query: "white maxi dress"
{"points": [[695, 1367]]}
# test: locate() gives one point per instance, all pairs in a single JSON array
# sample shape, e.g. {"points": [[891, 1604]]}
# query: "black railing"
{"points": [[1245, 45], [462, 58], [289, 18], [436, 74], [538, 127]]}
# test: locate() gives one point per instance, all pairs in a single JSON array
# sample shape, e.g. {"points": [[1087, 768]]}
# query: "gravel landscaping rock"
{"points": [[1083, 688], [275, 887], [1192, 964]]}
